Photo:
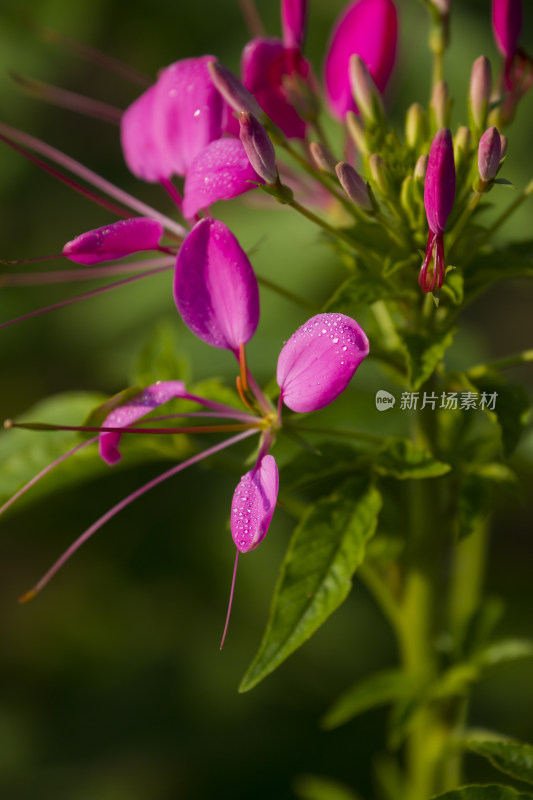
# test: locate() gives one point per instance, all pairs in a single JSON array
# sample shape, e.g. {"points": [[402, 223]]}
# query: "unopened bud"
{"points": [[415, 126], [410, 199], [258, 147], [356, 128], [381, 174], [442, 6], [421, 167], [503, 142], [354, 186], [365, 91], [462, 144], [489, 154], [506, 25], [440, 104], [233, 91], [323, 159], [480, 91]]}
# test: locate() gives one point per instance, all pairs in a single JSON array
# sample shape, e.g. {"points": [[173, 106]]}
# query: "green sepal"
{"points": [[376, 690]]}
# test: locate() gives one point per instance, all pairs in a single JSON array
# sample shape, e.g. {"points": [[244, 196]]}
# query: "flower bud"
{"points": [[440, 104], [439, 187], [356, 128], [415, 126], [421, 167], [506, 25], [319, 360], [381, 174], [480, 91], [293, 22], [215, 288], [410, 199], [462, 144], [503, 142], [354, 186], [365, 91], [442, 6], [368, 28], [489, 154], [323, 159], [253, 504], [233, 91], [115, 241], [258, 147]]}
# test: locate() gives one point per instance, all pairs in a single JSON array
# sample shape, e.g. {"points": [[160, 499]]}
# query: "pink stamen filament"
{"points": [[44, 472], [91, 177], [86, 295], [172, 192], [44, 426], [66, 276], [230, 603], [125, 502]]}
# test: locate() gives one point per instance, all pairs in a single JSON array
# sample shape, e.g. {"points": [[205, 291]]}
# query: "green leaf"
{"points": [[505, 650], [311, 469], [376, 690], [424, 353], [159, 359], [511, 407], [513, 758], [314, 787], [492, 792], [401, 459], [455, 682], [326, 549], [473, 504]]}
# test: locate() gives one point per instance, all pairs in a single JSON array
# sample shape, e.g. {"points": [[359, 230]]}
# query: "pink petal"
{"points": [[319, 360], [215, 287], [264, 64], [253, 504], [368, 28], [141, 150], [293, 22], [123, 416], [188, 112], [507, 24], [115, 241], [220, 171], [439, 186]]}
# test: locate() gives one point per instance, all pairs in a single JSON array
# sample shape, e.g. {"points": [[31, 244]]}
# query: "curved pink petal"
{"points": [[123, 416], [215, 287], [253, 504], [439, 185], [222, 170], [319, 360], [188, 112], [115, 241], [370, 29], [293, 22], [142, 152], [264, 64], [506, 25]]}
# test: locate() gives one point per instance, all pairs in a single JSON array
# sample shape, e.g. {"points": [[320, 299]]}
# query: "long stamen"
{"points": [[172, 192], [44, 472], [91, 177], [66, 276], [230, 603], [45, 426], [69, 100], [86, 295], [120, 212], [125, 502]]}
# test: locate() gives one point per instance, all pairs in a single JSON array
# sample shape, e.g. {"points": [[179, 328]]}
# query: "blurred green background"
{"points": [[113, 687]]}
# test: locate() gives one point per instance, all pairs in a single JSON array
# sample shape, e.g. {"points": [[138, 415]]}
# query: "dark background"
{"points": [[113, 687]]}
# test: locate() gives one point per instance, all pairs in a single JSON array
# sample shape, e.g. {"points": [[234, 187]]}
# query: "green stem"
{"points": [[381, 592], [303, 302], [503, 363], [337, 233]]}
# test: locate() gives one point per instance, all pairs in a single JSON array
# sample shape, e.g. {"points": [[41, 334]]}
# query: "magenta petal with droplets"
{"points": [[215, 287], [123, 416], [253, 504], [439, 186], [265, 62], [222, 170], [370, 29], [115, 241], [319, 360]]}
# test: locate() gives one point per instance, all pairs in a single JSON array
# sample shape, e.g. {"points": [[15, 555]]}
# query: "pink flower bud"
{"points": [[115, 241], [317, 363], [365, 92], [369, 29], [293, 22], [220, 171], [421, 168], [123, 416], [507, 24], [439, 187], [480, 91], [354, 186], [503, 142], [489, 154], [324, 160], [215, 288], [233, 91], [253, 504], [258, 147]]}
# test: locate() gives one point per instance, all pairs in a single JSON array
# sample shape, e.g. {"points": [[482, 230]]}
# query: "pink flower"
{"points": [[253, 504], [368, 28]]}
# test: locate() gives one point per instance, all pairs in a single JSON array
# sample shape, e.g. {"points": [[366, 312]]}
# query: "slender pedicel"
{"points": [[125, 502], [91, 177]]}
